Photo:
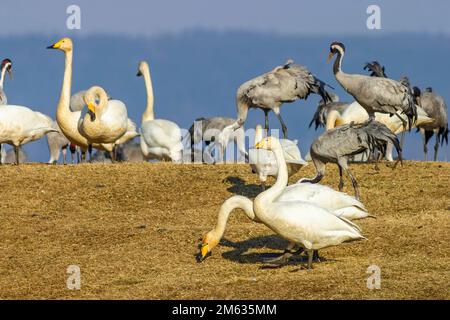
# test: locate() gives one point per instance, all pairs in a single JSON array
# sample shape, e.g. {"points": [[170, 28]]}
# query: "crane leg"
{"points": [[341, 180], [64, 151], [266, 120], [90, 152], [424, 140], [436, 147], [320, 168], [283, 126], [342, 162], [354, 183]]}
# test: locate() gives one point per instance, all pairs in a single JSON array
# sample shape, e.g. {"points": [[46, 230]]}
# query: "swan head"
{"points": [[7, 65], [142, 67], [209, 242], [91, 98], [65, 44], [269, 143], [336, 47]]}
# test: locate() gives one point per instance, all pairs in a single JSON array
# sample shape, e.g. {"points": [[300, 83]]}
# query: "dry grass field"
{"points": [[134, 230]]}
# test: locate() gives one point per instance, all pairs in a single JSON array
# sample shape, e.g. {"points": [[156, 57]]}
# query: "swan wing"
{"points": [[310, 224], [161, 133], [320, 195]]}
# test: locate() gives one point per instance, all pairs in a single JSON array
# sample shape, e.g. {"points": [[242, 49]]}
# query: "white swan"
{"points": [[66, 118], [339, 203], [77, 104], [160, 139], [263, 162], [106, 121], [305, 224], [20, 125]]}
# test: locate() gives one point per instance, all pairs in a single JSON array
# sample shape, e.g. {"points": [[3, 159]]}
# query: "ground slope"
{"points": [[134, 231]]}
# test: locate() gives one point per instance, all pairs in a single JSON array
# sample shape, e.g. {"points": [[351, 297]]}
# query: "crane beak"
{"points": [[10, 73], [330, 56]]}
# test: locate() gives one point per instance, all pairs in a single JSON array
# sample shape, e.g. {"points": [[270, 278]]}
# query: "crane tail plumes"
{"points": [[378, 136], [318, 118], [319, 88], [375, 69]]}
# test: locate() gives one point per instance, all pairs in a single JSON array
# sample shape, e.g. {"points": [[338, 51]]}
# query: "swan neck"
{"points": [[103, 100], [148, 113], [63, 110], [277, 189], [236, 202]]}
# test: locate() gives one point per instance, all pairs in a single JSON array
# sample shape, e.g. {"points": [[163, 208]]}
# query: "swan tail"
{"points": [[351, 224]]}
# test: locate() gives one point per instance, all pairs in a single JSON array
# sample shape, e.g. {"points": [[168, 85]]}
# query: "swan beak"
{"points": [[259, 144], [57, 45], [139, 73], [330, 56], [91, 111], [204, 251]]}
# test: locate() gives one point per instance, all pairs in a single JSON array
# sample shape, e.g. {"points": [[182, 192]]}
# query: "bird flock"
{"points": [[310, 216]]}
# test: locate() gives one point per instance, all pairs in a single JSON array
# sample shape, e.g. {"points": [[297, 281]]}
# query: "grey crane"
{"points": [[339, 144], [286, 83], [209, 130], [375, 94], [434, 105]]}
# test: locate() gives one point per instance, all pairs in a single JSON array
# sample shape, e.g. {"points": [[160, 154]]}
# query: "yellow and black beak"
{"points": [[91, 111], [259, 144], [204, 251], [56, 45]]}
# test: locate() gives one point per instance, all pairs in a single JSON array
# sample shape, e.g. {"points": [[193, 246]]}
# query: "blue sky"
{"points": [[196, 73], [150, 17]]}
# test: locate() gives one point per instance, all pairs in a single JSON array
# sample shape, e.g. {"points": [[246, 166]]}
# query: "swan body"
{"points": [[340, 203], [160, 139], [77, 104], [106, 121], [303, 223], [20, 125]]}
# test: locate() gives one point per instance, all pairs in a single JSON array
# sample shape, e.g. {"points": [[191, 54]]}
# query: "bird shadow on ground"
{"points": [[272, 242], [241, 188]]}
